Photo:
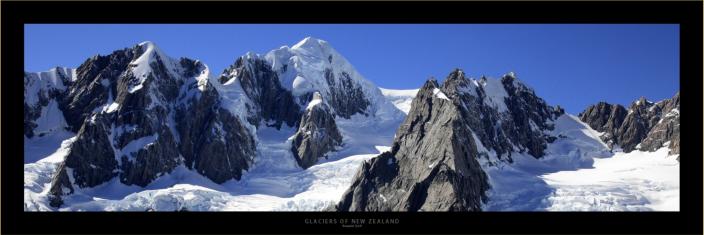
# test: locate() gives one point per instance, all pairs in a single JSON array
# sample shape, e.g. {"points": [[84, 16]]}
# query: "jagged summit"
{"points": [[457, 73], [642, 101], [645, 125]]}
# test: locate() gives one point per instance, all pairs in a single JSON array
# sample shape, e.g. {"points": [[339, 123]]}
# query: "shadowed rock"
{"points": [[645, 126], [432, 165], [317, 133]]}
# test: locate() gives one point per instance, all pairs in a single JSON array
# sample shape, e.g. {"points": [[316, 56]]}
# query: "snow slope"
{"points": [[275, 182], [579, 173], [635, 181], [51, 125], [303, 67], [402, 99]]}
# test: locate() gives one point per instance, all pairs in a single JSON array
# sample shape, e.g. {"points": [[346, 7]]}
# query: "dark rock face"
{"points": [[262, 85], [89, 90], [645, 125], [520, 126], [634, 128], [607, 118], [529, 115], [432, 165], [347, 97], [316, 135], [213, 141], [139, 128], [666, 128]]}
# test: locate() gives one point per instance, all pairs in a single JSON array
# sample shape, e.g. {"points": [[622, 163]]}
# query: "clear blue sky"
{"points": [[572, 65]]}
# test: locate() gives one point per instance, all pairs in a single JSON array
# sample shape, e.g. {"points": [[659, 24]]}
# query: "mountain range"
{"points": [[299, 128]]}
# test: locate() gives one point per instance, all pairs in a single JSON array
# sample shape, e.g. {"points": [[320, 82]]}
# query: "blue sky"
{"points": [[573, 65]]}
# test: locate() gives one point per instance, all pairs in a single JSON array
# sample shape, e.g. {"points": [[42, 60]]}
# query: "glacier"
{"points": [[578, 172]]}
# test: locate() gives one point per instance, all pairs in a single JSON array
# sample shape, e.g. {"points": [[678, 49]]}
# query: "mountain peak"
{"points": [[642, 101], [147, 44], [251, 55], [308, 40], [457, 73], [310, 43], [148, 48]]}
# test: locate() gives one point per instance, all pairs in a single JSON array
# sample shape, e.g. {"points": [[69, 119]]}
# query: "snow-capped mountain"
{"points": [[137, 115], [434, 162], [299, 128], [493, 144], [314, 65]]}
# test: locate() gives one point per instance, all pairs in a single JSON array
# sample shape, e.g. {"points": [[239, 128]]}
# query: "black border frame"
{"points": [[687, 14]]}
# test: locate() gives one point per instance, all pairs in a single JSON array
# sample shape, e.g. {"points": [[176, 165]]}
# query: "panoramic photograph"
{"points": [[351, 117]]}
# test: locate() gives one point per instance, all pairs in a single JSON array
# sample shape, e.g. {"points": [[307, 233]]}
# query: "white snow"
{"points": [[673, 112], [51, 122], [275, 182], [51, 125], [579, 173], [495, 94], [138, 144], [439, 94], [632, 181], [112, 107], [51, 119], [42, 82], [233, 98], [38, 175], [141, 67], [302, 68], [38, 148], [402, 99], [315, 101]]}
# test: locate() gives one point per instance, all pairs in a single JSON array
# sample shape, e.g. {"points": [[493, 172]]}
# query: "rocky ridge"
{"points": [[434, 164], [644, 126], [317, 133], [138, 113]]}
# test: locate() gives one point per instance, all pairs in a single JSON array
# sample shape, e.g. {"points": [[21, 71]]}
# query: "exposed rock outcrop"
{"points": [[432, 165], [434, 161], [317, 133], [140, 114], [645, 125], [506, 115], [261, 84], [346, 96], [665, 122], [606, 118]]}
